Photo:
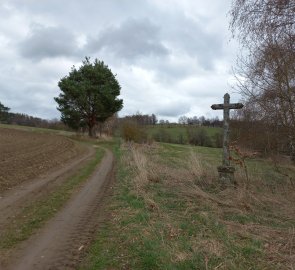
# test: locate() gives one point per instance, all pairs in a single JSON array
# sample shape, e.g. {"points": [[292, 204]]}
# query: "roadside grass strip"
{"points": [[38, 212], [168, 212]]}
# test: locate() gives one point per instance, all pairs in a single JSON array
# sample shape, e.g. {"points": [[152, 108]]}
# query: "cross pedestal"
{"points": [[226, 175], [226, 171]]}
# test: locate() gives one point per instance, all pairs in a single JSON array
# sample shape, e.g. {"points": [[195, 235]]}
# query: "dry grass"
{"points": [[188, 222], [258, 204], [143, 175]]}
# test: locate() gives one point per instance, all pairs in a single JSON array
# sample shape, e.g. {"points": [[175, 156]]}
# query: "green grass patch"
{"points": [[34, 215], [175, 223]]}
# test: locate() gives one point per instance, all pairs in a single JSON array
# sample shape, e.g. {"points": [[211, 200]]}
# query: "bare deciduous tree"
{"points": [[266, 30]]}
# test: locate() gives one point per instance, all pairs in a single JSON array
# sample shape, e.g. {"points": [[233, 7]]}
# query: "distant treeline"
{"points": [[140, 119], [136, 127], [31, 121], [146, 128], [200, 121], [146, 119]]}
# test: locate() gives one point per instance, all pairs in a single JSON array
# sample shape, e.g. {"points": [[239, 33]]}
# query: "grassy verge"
{"points": [[168, 212], [34, 215]]}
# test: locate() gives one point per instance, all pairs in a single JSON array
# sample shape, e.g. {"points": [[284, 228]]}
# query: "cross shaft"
{"points": [[226, 107], [226, 172]]}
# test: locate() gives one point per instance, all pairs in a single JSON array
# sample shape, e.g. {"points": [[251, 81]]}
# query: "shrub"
{"points": [[162, 136], [131, 131], [198, 137], [180, 138], [218, 139]]}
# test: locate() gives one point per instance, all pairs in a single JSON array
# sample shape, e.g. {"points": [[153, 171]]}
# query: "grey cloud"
{"points": [[193, 39], [88, 16], [173, 109], [46, 42], [130, 40], [168, 71], [193, 49]]}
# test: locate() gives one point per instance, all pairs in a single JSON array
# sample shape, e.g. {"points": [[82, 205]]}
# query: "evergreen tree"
{"points": [[4, 113], [89, 95]]}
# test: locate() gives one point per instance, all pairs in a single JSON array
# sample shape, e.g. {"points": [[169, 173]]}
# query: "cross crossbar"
{"points": [[227, 106]]}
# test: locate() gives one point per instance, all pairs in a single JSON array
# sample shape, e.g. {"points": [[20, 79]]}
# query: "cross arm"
{"points": [[227, 106], [217, 107]]}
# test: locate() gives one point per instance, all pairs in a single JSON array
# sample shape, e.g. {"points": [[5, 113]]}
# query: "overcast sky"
{"points": [[171, 57]]}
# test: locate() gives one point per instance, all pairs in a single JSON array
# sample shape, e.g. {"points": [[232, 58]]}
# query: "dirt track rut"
{"points": [[12, 202], [60, 243]]}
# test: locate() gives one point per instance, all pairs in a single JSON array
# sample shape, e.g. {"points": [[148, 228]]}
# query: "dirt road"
{"points": [[13, 201], [59, 244]]}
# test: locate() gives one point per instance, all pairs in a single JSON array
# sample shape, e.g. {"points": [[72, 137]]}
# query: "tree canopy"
{"points": [[89, 95], [3, 112]]}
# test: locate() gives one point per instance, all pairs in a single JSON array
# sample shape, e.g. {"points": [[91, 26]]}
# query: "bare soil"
{"points": [[15, 199], [60, 243], [32, 165], [25, 155]]}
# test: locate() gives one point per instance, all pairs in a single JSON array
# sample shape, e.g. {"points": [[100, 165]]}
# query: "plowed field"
{"points": [[25, 155]]}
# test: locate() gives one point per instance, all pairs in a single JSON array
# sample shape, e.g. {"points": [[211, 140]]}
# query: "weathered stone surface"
{"points": [[226, 169], [226, 175], [226, 172]]}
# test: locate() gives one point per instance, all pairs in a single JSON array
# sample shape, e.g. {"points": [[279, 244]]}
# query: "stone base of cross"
{"points": [[226, 175], [226, 171]]}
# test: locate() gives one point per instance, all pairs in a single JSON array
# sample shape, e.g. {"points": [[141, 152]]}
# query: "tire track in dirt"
{"points": [[60, 243], [12, 202]]}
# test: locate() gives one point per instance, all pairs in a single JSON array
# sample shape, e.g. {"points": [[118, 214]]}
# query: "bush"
{"points": [[198, 137], [218, 139], [181, 139], [131, 131], [162, 136]]}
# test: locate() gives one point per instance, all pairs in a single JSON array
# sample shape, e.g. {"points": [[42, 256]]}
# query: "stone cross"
{"points": [[226, 172]]}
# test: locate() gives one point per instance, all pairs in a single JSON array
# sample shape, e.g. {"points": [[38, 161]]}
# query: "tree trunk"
{"points": [[91, 124], [100, 129], [91, 131], [292, 148]]}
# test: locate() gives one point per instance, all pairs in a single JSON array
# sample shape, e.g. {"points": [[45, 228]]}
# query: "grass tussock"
{"points": [[169, 212]]}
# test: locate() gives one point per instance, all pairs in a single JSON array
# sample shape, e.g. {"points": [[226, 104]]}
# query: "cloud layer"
{"points": [[171, 57], [130, 40], [48, 42]]}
